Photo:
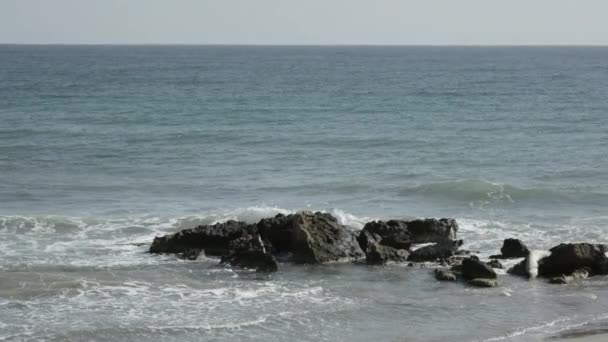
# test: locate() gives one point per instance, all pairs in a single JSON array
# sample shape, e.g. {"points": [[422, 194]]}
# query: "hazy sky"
{"points": [[305, 21]]}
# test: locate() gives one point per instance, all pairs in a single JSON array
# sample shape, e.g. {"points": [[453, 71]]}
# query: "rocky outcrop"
{"points": [[432, 230], [212, 239], [567, 258], [391, 233], [249, 252], [311, 237], [473, 268], [385, 241], [437, 252], [512, 248], [377, 254]]}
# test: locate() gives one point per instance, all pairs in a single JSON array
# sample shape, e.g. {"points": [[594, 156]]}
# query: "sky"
{"points": [[358, 22]]}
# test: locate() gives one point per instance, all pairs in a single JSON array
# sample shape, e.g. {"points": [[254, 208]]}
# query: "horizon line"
{"points": [[303, 45]]}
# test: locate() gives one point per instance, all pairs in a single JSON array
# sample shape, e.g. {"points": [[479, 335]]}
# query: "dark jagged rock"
{"points": [[442, 250], [521, 268], [190, 254], [310, 237], [600, 266], [432, 230], [384, 241], [249, 252], [213, 239], [567, 258], [472, 269], [392, 233], [495, 264], [277, 232], [514, 248], [377, 254], [483, 282], [444, 275]]}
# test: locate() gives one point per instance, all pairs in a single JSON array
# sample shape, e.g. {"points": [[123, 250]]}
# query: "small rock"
{"points": [[561, 280], [514, 248], [444, 275], [495, 264], [472, 269]]}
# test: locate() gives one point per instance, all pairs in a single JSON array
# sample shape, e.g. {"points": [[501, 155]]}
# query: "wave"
{"points": [[485, 192]]}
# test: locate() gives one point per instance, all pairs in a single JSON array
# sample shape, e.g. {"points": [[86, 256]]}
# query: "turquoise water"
{"points": [[102, 146]]}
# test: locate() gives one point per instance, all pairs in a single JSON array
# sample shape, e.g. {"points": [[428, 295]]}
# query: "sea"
{"points": [[102, 148]]}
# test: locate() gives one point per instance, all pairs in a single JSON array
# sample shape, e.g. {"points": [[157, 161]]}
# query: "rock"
{"points": [[310, 237], [495, 264], [213, 239], [432, 230], [472, 269], [444, 275], [520, 269], [377, 254], [442, 250], [566, 258], [249, 252], [483, 282], [277, 232], [566, 279], [600, 266], [514, 248], [391, 233], [190, 254], [562, 280]]}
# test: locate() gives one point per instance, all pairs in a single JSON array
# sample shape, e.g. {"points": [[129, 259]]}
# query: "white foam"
{"points": [[532, 261]]}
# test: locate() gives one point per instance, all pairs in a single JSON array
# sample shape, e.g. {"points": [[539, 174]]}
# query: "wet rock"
{"points": [[567, 258], [249, 252], [472, 269], [190, 254], [514, 248], [378, 254], [439, 251], [310, 237], [445, 275], [600, 266], [432, 230], [392, 233], [213, 239], [495, 264], [566, 279], [483, 282]]}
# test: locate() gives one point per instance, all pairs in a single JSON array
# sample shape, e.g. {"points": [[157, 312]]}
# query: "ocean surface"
{"points": [[104, 147]]}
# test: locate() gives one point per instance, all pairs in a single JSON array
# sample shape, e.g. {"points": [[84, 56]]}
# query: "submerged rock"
{"points": [[472, 268], [213, 239], [445, 275], [566, 279], [495, 264], [483, 282]]}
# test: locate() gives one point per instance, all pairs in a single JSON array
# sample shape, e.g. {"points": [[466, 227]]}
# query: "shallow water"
{"points": [[104, 147]]}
